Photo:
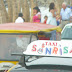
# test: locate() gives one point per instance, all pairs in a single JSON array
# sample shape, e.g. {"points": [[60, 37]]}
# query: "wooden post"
{"points": [[26, 11], [15, 10], [2, 13], [36, 3], [32, 6], [5, 12], [19, 5], [28, 15], [1, 21], [10, 10]]}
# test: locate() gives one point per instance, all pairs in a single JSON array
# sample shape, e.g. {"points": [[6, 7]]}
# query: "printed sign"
{"points": [[50, 48]]}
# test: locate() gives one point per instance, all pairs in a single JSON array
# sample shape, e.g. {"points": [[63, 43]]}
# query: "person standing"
{"points": [[37, 15], [52, 15], [65, 15], [20, 18]]}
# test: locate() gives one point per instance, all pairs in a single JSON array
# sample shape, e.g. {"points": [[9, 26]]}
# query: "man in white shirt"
{"points": [[65, 15], [20, 18], [18, 39]]}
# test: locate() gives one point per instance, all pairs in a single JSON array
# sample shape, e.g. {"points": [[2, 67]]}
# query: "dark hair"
{"points": [[20, 15], [37, 8], [51, 6], [46, 17]]}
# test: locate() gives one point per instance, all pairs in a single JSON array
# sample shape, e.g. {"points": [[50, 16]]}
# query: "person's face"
{"points": [[64, 6], [46, 18], [34, 11]]}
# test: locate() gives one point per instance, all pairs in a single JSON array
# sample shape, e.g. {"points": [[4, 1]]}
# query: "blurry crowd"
{"points": [[52, 18]]}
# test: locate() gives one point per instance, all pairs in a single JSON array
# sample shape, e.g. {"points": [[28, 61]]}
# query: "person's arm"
{"points": [[61, 15], [56, 11], [39, 16], [60, 19]]}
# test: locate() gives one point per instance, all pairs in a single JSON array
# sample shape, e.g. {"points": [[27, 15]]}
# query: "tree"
{"points": [[70, 2], [19, 2], [28, 15], [58, 4], [32, 6], [10, 10], [2, 13], [4, 9], [26, 11], [15, 10]]}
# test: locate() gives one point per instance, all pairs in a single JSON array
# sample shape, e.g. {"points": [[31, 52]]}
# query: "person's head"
{"points": [[64, 5], [45, 17], [51, 6], [20, 15], [36, 10]]}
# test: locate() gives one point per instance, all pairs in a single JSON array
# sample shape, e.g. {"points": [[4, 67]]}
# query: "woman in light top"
{"points": [[37, 15], [52, 15]]}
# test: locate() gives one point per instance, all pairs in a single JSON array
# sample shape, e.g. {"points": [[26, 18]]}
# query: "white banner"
{"points": [[50, 48]]}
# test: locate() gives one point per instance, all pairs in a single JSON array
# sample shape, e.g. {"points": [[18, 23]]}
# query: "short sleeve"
{"points": [[39, 13]]}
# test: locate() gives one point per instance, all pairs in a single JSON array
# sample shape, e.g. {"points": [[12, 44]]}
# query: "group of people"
{"points": [[52, 18]]}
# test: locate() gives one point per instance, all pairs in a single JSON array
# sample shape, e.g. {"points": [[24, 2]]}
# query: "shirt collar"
{"points": [[65, 9]]}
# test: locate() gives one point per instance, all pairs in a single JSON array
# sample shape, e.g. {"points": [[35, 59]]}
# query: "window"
{"points": [[13, 44], [67, 33]]}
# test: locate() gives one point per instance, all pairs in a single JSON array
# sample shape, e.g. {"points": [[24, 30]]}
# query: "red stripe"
{"points": [[25, 26]]}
